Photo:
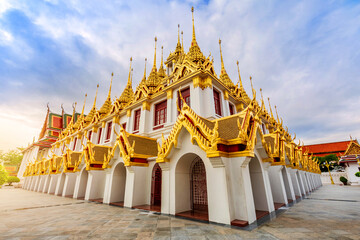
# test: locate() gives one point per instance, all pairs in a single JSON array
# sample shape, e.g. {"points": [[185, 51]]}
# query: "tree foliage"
{"points": [[331, 158], [12, 157], [12, 179], [3, 175]]}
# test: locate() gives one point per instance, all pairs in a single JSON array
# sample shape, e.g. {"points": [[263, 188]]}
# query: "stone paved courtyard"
{"points": [[331, 212]]}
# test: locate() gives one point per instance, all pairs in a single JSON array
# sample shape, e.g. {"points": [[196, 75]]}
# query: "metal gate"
{"points": [[156, 186], [198, 186]]}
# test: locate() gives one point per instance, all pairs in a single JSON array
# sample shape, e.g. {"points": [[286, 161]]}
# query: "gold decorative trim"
{"points": [[146, 106]]}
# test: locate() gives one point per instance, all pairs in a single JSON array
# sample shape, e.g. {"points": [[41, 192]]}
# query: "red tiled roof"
{"points": [[324, 149]]}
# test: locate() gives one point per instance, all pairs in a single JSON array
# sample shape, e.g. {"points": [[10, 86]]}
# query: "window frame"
{"points": [[160, 108], [137, 116], [99, 135], [218, 99], [108, 132]]}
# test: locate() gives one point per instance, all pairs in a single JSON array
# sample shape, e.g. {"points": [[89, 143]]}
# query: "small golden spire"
{"points": [[277, 116], [73, 115], [182, 40], [193, 36], [262, 98], [240, 82], [82, 112], [221, 57], [129, 78], [178, 34], [97, 88], [154, 67], [109, 94], [162, 61], [145, 69], [252, 88], [132, 73], [270, 108]]}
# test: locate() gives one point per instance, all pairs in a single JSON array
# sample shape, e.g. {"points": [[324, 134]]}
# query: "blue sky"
{"points": [[305, 55]]}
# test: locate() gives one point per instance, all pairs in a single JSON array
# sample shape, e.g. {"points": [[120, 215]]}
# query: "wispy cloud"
{"points": [[305, 55]]}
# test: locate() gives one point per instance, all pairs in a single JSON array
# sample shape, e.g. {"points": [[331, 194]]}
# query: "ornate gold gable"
{"points": [[72, 160], [229, 136], [95, 155], [353, 148], [134, 149]]}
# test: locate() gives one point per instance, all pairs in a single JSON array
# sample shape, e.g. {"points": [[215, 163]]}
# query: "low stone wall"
{"points": [[325, 178]]}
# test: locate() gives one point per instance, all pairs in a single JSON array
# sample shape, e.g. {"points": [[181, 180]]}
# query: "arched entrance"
{"points": [[83, 183], [156, 186], [198, 186], [258, 188], [118, 185], [191, 188]]}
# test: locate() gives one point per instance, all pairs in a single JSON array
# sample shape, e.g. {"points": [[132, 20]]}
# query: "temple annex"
{"points": [[187, 142]]}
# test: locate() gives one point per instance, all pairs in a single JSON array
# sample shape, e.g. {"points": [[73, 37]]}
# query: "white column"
{"points": [[295, 182], [95, 185], [165, 188], [53, 182], [289, 187], [69, 185], [277, 184], [135, 188], [268, 191]]}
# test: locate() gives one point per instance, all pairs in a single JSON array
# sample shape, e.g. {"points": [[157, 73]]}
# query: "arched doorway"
{"points": [[156, 186], [198, 186], [118, 185], [83, 183], [258, 188], [191, 188]]}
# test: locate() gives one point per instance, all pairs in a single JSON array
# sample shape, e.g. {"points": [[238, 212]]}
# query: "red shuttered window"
{"points": [[217, 102], [231, 107], [160, 113], [99, 136], [108, 132], [137, 120], [186, 96]]}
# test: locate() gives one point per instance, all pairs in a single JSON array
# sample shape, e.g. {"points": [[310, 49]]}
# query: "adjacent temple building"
{"points": [[187, 142]]}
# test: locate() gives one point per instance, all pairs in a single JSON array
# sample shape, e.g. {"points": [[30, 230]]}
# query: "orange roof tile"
{"points": [[324, 149]]}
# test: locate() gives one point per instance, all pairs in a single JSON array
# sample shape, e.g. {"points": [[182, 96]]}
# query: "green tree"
{"points": [[3, 175], [12, 157], [331, 158], [12, 179]]}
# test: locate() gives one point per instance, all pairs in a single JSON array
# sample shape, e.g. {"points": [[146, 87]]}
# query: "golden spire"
{"points": [[145, 70], [129, 78], [240, 82], [195, 54], [224, 77], [109, 94], [73, 115], [193, 25], [270, 108], [252, 87], [277, 116], [161, 69], [105, 108], [262, 99], [82, 112], [221, 57], [178, 43], [182, 40], [97, 88], [154, 66]]}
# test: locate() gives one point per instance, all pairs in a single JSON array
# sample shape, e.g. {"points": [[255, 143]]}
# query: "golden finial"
{"points": [[129, 78], [182, 40], [145, 69], [270, 108], [277, 116], [82, 112], [252, 87], [351, 138], [221, 57], [262, 98], [178, 33], [162, 62], [154, 67], [73, 115], [109, 94], [193, 37], [97, 88], [240, 82], [132, 73]]}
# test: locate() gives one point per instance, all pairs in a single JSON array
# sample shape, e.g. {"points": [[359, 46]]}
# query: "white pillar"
{"points": [[295, 182], [53, 182], [60, 184], [289, 187], [135, 188], [69, 185], [95, 185], [165, 188], [277, 184]]}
